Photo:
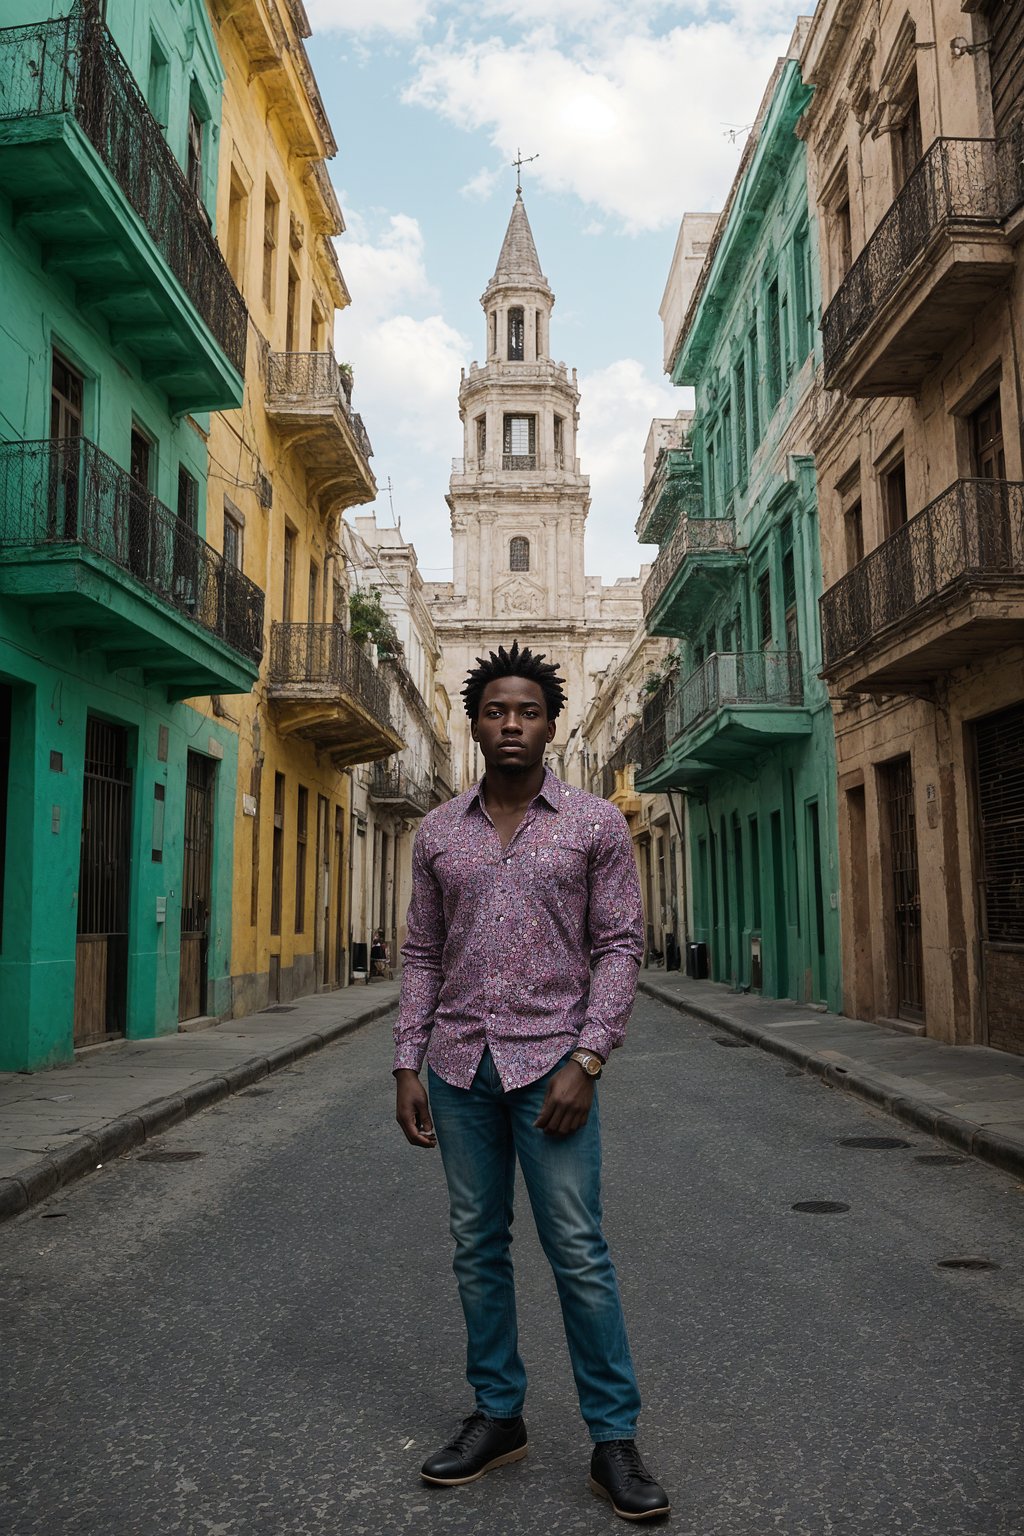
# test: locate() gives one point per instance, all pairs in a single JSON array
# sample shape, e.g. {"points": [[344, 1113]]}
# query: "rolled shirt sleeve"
{"points": [[615, 920], [421, 962]]}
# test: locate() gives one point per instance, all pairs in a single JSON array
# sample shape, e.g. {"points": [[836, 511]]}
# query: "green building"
{"points": [[742, 724], [121, 327]]}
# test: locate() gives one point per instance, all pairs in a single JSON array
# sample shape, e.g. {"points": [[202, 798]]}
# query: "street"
{"points": [[265, 1339]]}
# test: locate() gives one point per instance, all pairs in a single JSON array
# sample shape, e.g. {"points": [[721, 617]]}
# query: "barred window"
{"points": [[519, 554], [516, 335]]}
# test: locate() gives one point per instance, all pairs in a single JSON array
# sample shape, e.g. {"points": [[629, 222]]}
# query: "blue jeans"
{"points": [[481, 1131]]}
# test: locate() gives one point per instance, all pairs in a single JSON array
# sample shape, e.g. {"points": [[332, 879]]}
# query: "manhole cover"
{"points": [[170, 1157], [280, 1008], [255, 1093], [941, 1159], [968, 1261], [881, 1143], [820, 1207], [730, 1043]]}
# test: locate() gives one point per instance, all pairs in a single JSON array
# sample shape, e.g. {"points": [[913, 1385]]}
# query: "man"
{"points": [[520, 966]]}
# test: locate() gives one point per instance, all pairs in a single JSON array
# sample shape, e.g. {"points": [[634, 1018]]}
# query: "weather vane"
{"points": [[519, 162]]}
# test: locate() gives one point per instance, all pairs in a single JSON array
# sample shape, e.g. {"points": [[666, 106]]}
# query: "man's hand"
{"points": [[567, 1102], [412, 1110]]}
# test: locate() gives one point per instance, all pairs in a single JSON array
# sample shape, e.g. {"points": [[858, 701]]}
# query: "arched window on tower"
{"points": [[519, 554], [516, 335]]}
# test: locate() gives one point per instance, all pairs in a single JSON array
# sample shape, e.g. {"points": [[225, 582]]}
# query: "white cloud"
{"points": [[481, 186], [386, 273], [617, 406], [402, 18], [631, 122]]}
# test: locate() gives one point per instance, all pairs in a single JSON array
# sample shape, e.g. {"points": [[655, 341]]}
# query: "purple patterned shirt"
{"points": [[531, 950]]}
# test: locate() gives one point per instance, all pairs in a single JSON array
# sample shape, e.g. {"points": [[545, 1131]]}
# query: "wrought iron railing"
{"points": [[398, 784], [973, 531], [315, 377], [723, 680], [958, 181], [675, 488], [73, 66], [324, 655], [693, 535], [519, 461], [65, 491]]}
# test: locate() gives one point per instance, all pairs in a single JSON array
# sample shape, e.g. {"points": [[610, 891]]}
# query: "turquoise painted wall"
{"points": [[171, 52], [763, 839]]}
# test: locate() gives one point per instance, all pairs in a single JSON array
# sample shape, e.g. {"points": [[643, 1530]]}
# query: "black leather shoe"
{"points": [[618, 1475], [480, 1445]]}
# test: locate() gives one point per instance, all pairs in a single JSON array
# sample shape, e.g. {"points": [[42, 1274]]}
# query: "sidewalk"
{"points": [[57, 1125], [970, 1096]]}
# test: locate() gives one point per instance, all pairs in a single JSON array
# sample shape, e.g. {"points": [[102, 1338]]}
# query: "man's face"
{"points": [[512, 727]]}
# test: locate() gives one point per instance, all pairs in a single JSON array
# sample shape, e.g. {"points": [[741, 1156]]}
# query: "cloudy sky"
{"points": [[636, 111]]}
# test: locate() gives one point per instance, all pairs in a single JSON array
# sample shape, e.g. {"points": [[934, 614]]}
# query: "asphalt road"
{"points": [[265, 1340]]}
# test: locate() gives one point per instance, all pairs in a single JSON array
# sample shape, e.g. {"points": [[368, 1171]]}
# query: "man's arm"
{"points": [[615, 920], [421, 985]]}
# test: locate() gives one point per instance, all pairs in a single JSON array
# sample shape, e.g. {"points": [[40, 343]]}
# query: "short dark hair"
{"points": [[515, 663]]}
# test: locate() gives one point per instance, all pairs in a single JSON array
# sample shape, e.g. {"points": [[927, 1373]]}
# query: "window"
{"points": [[853, 523], [785, 346], [755, 411], [301, 821], [188, 499], [537, 334], [238, 218], [288, 575], [894, 496], [712, 499], [773, 373], [839, 226], [194, 166], [493, 332], [728, 476], [559, 427], [314, 586], [271, 209], [519, 554], [66, 391], [481, 438], [276, 854], [291, 338], [520, 442], [316, 327], [157, 88], [804, 317], [988, 458], [741, 420], [789, 601], [234, 524], [516, 335], [764, 605], [907, 145]]}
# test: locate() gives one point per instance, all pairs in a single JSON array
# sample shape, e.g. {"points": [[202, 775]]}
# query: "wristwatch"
{"points": [[589, 1061]]}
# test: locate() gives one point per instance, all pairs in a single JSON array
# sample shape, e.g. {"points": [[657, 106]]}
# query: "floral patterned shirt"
{"points": [[529, 950]]}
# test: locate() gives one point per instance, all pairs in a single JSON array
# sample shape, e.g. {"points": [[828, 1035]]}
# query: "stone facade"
{"points": [[914, 140], [519, 503]]}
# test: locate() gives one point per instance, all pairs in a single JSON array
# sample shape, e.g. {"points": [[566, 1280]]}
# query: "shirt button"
{"points": [[508, 861]]}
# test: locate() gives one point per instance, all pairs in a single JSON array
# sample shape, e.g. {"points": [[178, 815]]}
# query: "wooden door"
{"points": [[104, 878], [999, 771], [905, 888], [196, 880]]}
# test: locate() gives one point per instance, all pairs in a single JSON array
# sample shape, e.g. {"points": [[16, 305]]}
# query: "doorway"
{"points": [[779, 927], [905, 887], [999, 777], [140, 500], [104, 880], [197, 872]]}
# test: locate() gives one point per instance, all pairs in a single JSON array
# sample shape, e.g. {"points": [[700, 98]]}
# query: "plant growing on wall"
{"points": [[369, 621], [652, 682]]}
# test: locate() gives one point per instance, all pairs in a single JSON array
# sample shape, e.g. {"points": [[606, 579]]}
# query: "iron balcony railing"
{"points": [[519, 461], [64, 491], [73, 66], [675, 487], [693, 535], [324, 655], [973, 531], [399, 784], [965, 182], [723, 680], [315, 377]]}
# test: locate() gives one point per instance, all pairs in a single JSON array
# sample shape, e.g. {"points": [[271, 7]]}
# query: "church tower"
{"points": [[519, 505]]}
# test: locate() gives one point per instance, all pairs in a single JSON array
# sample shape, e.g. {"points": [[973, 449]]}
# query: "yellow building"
{"points": [[282, 471]]}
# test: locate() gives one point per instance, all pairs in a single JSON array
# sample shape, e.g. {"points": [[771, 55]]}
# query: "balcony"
{"points": [[617, 774], [92, 180], [308, 404], [395, 789], [732, 709], [101, 560], [324, 688], [938, 257], [944, 590], [699, 563], [676, 488]]}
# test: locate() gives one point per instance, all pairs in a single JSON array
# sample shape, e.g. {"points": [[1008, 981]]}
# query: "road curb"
{"points": [[968, 1136], [71, 1162]]}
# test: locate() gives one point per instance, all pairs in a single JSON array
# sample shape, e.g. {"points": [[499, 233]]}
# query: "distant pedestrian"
{"points": [[525, 939]]}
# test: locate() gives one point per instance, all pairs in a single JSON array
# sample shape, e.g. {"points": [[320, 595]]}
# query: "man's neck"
{"points": [[511, 791]]}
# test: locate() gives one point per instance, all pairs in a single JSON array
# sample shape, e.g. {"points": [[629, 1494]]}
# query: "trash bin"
{"points": [[697, 962]]}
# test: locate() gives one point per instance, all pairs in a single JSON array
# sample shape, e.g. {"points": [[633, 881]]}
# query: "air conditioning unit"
{"points": [[756, 974]]}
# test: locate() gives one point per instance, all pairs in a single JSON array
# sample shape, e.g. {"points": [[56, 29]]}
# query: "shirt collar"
{"points": [[550, 791]]}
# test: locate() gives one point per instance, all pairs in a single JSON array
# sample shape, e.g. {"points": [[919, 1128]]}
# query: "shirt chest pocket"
{"points": [[563, 862]]}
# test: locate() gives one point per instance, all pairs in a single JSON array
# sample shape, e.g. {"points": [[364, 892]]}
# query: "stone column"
{"points": [[486, 564]]}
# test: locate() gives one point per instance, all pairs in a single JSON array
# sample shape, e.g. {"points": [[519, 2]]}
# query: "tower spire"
{"points": [[518, 264]]}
